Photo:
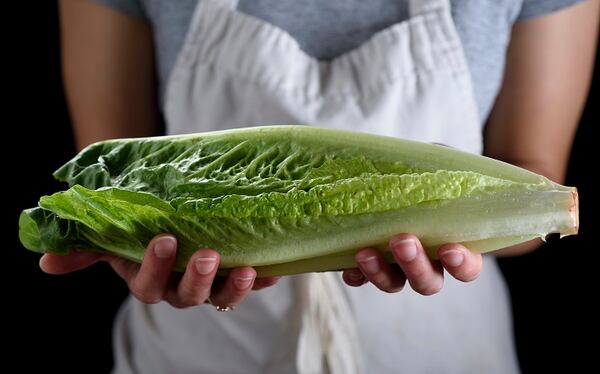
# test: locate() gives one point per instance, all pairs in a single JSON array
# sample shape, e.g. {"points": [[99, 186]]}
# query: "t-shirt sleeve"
{"points": [[538, 8], [130, 7]]}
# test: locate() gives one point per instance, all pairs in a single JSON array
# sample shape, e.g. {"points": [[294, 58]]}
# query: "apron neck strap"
{"points": [[229, 4], [418, 7]]}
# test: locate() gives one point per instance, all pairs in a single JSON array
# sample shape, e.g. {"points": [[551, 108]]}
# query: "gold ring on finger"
{"points": [[218, 307]]}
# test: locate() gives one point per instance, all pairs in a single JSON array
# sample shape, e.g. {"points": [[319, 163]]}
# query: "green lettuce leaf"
{"points": [[290, 199]]}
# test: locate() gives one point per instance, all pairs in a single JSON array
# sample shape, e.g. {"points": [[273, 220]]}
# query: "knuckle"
{"points": [[356, 284], [379, 279], [395, 289], [144, 295], [415, 272], [389, 284], [185, 303], [385, 285], [391, 289], [147, 298], [116, 263], [203, 281], [191, 298], [178, 305], [399, 285], [239, 294]]}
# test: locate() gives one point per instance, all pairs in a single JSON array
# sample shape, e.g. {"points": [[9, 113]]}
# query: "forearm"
{"points": [[108, 73], [548, 70]]}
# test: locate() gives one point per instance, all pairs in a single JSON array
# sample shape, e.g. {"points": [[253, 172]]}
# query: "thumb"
{"points": [[58, 264]]}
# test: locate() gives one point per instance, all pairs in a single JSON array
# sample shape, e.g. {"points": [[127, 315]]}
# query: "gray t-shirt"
{"points": [[326, 29]]}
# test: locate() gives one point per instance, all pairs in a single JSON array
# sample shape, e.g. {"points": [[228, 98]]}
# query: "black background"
{"points": [[63, 323]]}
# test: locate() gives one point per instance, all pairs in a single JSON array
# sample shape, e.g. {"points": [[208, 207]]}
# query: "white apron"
{"points": [[409, 80]]}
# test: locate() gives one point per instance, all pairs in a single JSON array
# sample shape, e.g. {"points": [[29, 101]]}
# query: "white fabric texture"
{"points": [[408, 81], [328, 339]]}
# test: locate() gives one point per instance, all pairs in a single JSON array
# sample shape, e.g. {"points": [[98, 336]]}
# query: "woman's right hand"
{"points": [[152, 281]]}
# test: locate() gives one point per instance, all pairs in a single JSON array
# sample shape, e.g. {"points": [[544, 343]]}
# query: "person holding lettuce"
{"points": [[504, 78]]}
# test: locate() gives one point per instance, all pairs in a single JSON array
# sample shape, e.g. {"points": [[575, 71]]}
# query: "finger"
{"points": [[264, 282], [150, 283], [194, 286], [425, 277], [354, 277], [374, 267], [124, 268], [235, 288], [461, 263], [57, 264]]}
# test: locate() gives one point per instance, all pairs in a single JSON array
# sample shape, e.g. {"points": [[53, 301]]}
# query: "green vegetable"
{"points": [[290, 199]]}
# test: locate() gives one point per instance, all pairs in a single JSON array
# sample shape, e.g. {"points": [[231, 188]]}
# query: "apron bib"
{"points": [[409, 80]]}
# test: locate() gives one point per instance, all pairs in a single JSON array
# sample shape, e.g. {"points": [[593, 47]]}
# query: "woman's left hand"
{"points": [[424, 275]]}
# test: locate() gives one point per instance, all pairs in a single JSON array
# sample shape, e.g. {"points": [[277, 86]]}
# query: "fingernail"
{"points": [[205, 265], [453, 257], [370, 264], [355, 275], [242, 283], [404, 249], [165, 246], [42, 262]]}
